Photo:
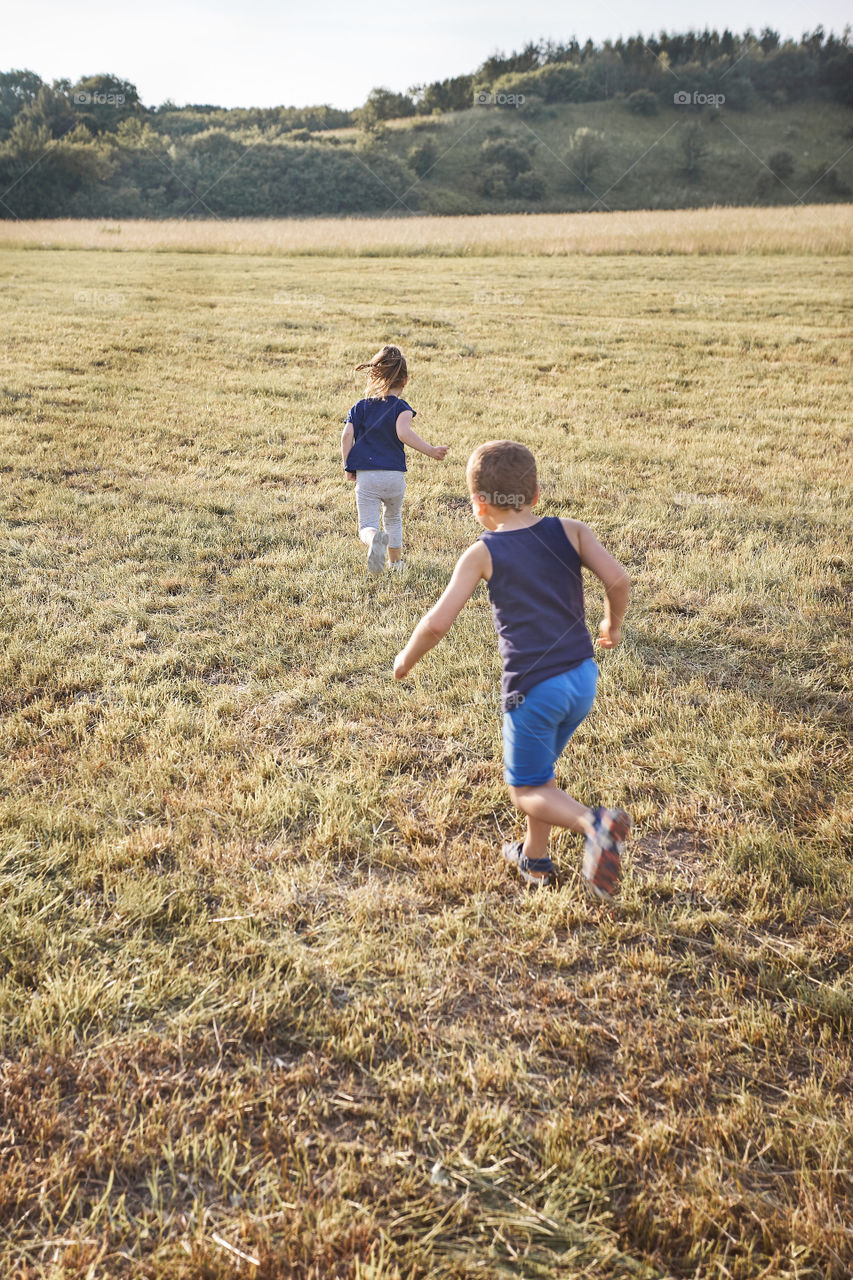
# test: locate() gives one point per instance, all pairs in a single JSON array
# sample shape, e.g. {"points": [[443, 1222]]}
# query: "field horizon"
{"points": [[270, 1003], [817, 229]]}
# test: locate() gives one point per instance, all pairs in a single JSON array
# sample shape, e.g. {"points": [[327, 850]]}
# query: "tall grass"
{"points": [[812, 229]]}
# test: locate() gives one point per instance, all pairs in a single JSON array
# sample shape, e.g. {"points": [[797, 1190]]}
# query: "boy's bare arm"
{"points": [[617, 584], [407, 436], [472, 565]]}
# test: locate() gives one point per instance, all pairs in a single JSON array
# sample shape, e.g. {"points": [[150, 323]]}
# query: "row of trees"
{"points": [[137, 172], [101, 104], [766, 67], [93, 149]]}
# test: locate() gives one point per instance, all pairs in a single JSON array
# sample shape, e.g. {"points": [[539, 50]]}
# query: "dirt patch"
{"points": [[681, 854]]}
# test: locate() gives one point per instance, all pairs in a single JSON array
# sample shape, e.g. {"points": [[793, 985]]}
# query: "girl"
{"points": [[373, 453]]}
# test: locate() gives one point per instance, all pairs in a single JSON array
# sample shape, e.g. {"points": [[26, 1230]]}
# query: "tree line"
{"points": [[92, 149]]}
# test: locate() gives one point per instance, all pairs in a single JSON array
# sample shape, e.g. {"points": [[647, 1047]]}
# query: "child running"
{"points": [[374, 456], [533, 569]]}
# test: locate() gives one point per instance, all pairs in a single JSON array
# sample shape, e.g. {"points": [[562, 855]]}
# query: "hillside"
{"points": [[677, 158]]}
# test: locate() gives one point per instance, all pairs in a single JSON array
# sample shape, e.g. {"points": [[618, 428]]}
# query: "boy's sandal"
{"points": [[602, 856], [539, 872]]}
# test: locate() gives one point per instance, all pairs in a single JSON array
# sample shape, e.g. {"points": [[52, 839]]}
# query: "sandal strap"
{"points": [[540, 865]]}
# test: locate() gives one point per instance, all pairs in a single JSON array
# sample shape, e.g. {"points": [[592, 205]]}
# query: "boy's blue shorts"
{"points": [[536, 732]]}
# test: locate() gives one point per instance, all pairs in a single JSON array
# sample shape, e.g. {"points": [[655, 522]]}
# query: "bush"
{"points": [[534, 105], [513, 158], [642, 102], [528, 186], [494, 182], [692, 149], [444, 200], [587, 152], [455, 94], [382, 104], [739, 93], [824, 183], [781, 164], [557, 82], [422, 158], [508, 173]]}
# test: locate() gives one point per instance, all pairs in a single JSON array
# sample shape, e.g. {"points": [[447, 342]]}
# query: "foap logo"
{"points": [[291, 298], [514, 500], [494, 699], [494, 298], [485, 98], [82, 99], [99, 298], [699, 300], [695, 99]]}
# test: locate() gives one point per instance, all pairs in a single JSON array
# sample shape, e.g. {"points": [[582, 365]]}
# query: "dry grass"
{"points": [[813, 229], [269, 1004]]}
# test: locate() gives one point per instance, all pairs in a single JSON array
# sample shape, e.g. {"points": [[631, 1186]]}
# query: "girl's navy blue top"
{"points": [[375, 445], [537, 604]]}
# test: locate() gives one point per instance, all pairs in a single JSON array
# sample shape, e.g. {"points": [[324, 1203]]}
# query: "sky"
{"points": [[261, 53]]}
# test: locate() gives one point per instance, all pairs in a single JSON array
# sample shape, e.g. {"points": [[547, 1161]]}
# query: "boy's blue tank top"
{"points": [[375, 445], [537, 604]]}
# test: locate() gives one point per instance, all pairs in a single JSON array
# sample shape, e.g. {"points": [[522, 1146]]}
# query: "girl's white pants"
{"points": [[381, 493]]}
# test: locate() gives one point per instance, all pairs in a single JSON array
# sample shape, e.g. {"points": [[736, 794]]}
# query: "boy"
{"points": [[533, 570]]}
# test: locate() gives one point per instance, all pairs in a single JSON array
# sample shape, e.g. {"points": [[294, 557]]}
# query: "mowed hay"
{"points": [[270, 1005], [817, 229]]}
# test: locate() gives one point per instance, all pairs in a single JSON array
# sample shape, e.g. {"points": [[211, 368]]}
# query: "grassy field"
{"points": [[806, 229], [270, 1006]]}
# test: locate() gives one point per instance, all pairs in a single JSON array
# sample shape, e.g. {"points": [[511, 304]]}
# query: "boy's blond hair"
{"points": [[503, 474], [387, 372]]}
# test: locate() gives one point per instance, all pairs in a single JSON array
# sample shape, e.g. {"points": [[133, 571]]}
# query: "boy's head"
{"points": [[386, 373], [502, 477]]}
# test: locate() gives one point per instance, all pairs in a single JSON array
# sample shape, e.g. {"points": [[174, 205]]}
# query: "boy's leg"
{"points": [[538, 834], [534, 740], [548, 806], [534, 737], [604, 831]]}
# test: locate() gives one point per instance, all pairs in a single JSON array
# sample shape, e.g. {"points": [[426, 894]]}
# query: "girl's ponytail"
{"points": [[387, 372]]}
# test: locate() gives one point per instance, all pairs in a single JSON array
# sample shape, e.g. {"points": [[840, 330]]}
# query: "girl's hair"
{"points": [[387, 371]]}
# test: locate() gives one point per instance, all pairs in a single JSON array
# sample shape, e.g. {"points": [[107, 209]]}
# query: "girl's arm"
{"points": [[472, 565], [406, 435], [347, 437], [617, 584]]}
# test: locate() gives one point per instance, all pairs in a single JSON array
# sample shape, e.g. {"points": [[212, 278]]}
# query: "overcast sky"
{"points": [[261, 53]]}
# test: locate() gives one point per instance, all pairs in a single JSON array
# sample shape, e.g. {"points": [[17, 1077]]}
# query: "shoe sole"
{"points": [[376, 554], [540, 882], [621, 828], [604, 881]]}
